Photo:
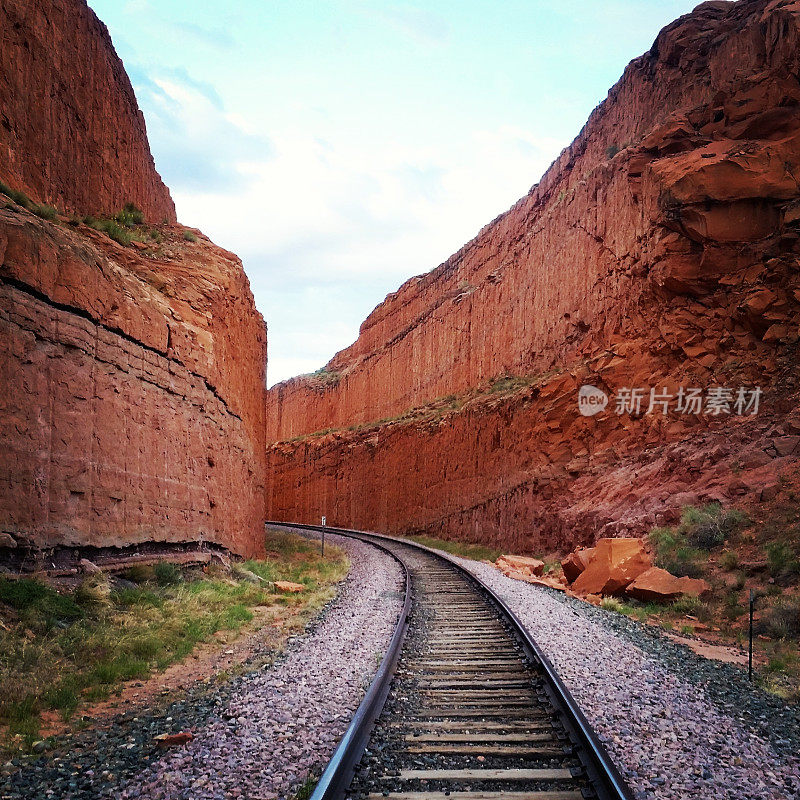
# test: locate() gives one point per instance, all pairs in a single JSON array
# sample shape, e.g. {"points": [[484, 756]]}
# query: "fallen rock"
{"points": [[661, 586], [288, 586], [593, 599], [247, 575], [576, 562], [89, 567], [523, 564], [173, 739], [551, 583], [7, 540], [614, 564]]}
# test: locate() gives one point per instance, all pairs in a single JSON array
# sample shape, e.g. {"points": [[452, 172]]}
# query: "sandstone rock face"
{"points": [[660, 586], [71, 132], [615, 564], [132, 400], [132, 378], [660, 250]]}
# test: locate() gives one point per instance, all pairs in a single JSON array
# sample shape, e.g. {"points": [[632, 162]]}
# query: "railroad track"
{"points": [[464, 706]]}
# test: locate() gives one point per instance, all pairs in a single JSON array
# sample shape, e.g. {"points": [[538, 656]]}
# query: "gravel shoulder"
{"points": [[679, 726], [258, 735]]}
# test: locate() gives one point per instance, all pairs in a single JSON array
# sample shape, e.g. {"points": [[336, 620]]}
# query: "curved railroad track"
{"points": [[464, 706]]}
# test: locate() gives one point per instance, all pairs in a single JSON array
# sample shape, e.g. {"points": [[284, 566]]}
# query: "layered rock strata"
{"points": [[132, 403], [131, 374]]}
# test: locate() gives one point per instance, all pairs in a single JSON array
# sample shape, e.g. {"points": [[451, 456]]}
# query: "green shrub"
{"points": [[94, 593], [679, 550], [189, 236], [729, 560], [687, 605], [781, 620], [708, 527], [27, 594], [111, 228], [732, 608], [139, 573], [611, 604], [612, 150], [45, 212], [20, 198], [130, 216], [167, 573], [781, 560]]}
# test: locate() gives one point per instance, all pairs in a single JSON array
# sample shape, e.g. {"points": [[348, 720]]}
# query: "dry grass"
{"points": [[478, 552], [62, 650]]}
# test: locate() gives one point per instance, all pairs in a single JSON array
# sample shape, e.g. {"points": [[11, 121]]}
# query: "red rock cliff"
{"points": [[131, 376], [71, 132], [661, 248]]}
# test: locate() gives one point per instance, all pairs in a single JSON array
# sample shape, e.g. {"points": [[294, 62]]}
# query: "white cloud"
{"points": [[198, 145], [355, 219]]}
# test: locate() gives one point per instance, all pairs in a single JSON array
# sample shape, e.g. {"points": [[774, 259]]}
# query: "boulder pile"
{"points": [[614, 566]]}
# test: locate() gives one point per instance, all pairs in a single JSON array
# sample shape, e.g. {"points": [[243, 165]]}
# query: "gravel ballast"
{"points": [[257, 736], [282, 724], [678, 726]]}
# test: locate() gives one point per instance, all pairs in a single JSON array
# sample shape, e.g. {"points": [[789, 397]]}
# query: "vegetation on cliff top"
{"points": [[63, 647], [499, 386]]}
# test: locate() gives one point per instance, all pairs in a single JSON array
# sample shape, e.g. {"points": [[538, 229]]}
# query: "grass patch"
{"points": [[130, 216], [478, 552], [126, 226], [189, 236], [306, 789], [611, 604], [60, 650], [781, 619], [167, 574], [45, 212], [781, 674], [682, 550], [111, 228], [20, 198], [729, 560], [782, 560]]}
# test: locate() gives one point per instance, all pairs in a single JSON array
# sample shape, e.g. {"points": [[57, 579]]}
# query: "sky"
{"points": [[340, 147]]}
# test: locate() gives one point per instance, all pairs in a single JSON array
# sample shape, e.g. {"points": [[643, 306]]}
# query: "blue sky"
{"points": [[342, 146]]}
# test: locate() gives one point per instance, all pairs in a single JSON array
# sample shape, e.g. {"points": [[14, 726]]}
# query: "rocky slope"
{"points": [[71, 132], [132, 407], [659, 250]]}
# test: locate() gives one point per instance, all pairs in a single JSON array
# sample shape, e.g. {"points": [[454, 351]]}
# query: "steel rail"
{"points": [[338, 775], [601, 771]]}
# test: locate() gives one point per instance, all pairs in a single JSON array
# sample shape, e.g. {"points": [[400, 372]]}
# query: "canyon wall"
{"points": [[71, 132], [660, 249], [132, 374]]}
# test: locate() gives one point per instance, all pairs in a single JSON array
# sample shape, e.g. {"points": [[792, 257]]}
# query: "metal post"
{"points": [[324, 522], [750, 656]]}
